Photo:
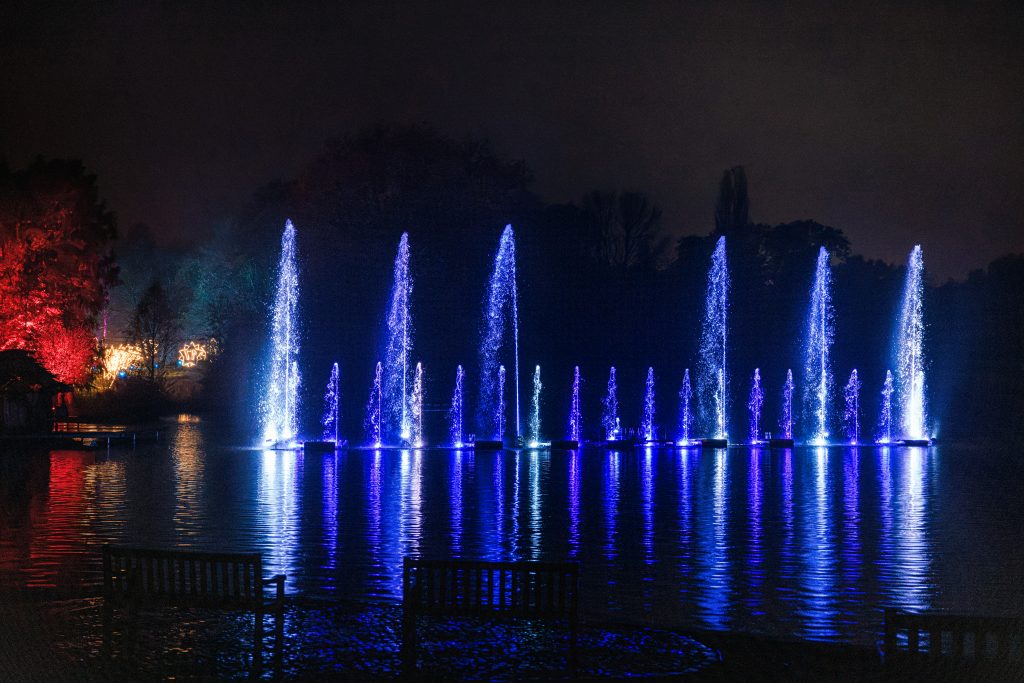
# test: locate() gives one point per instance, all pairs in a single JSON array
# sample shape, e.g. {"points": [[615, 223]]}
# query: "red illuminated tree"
{"points": [[56, 263], [66, 353]]}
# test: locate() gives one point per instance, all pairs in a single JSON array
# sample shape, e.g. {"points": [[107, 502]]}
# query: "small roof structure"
{"points": [[21, 373]]}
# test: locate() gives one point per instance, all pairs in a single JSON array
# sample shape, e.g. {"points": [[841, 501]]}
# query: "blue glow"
{"points": [[416, 409], [574, 503], [754, 405], [374, 416], [534, 436], [685, 411], [455, 500], [818, 379], [396, 401], [610, 502], [331, 411], [647, 420], [455, 415], [712, 382], [499, 407], [610, 414], [280, 405], [885, 420], [910, 359], [575, 418], [851, 412], [330, 515], [502, 296]]}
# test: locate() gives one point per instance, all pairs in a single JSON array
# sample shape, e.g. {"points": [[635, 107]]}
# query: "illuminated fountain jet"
{"points": [[280, 408], [374, 417], [647, 419], [910, 361], [455, 415], [685, 411], [885, 419], [416, 409], [610, 414], [787, 406], [754, 405], [575, 418], [395, 407], [502, 303], [713, 380], [818, 378], [331, 410], [851, 413], [534, 426]]}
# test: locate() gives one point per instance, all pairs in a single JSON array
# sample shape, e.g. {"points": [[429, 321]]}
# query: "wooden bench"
{"points": [[461, 588], [134, 578], [937, 645]]}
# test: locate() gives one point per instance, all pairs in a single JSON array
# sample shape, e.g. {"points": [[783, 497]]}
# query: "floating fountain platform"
{"points": [[566, 445], [618, 443], [781, 443], [714, 443], [320, 446], [924, 443], [488, 445]]}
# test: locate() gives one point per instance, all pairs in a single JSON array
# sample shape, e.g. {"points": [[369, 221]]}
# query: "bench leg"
{"points": [[408, 647], [257, 644], [108, 629], [278, 639]]}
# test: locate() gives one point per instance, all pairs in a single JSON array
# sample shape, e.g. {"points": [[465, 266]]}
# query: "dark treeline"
{"points": [[599, 285]]}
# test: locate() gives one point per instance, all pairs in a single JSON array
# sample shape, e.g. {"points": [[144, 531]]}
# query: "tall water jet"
{"points": [[535, 409], [754, 405], [416, 409], [499, 409], [610, 414], [331, 412], [502, 300], [396, 408], [575, 418], [455, 415], [647, 419], [280, 402], [685, 410], [712, 381], [851, 413], [910, 382], [817, 360], [885, 419], [787, 406], [374, 416]]}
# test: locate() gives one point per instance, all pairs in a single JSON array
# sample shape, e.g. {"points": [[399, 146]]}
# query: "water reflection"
{"points": [[802, 542], [187, 451], [455, 501], [330, 517], [611, 502], [574, 503], [279, 513], [819, 556]]}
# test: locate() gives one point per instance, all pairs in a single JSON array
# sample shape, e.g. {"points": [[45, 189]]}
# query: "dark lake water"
{"points": [[808, 543]]}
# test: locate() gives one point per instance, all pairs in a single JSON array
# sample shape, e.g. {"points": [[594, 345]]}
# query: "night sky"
{"points": [[898, 124]]}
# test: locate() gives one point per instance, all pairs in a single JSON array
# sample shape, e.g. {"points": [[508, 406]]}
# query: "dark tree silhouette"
{"points": [[156, 329]]}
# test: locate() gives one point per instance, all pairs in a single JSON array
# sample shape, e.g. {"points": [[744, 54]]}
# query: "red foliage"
{"points": [[55, 258], [65, 353]]}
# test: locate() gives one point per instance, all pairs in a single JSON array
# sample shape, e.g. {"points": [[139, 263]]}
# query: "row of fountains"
{"points": [[394, 413]]}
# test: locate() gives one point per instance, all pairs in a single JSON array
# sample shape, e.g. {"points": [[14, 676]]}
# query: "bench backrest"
{"points": [[954, 637], [462, 587], [181, 575]]}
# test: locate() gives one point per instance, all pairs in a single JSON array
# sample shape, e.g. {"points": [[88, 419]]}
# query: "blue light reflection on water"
{"points": [[805, 542]]}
